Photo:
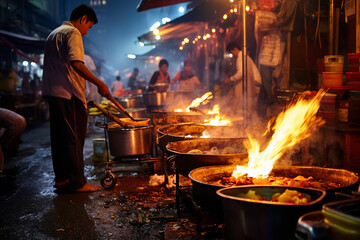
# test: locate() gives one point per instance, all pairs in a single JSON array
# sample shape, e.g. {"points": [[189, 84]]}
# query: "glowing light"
{"points": [[186, 40], [204, 37], [231, 10], [213, 30], [154, 26], [156, 31], [225, 16], [25, 63], [235, 10], [157, 58], [291, 126], [181, 9], [157, 37], [165, 20], [208, 35], [141, 44], [198, 36], [193, 41], [183, 43], [131, 56], [33, 64], [181, 48], [247, 8], [231, 1]]}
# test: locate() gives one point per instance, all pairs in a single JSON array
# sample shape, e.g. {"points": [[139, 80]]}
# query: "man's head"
{"points": [[117, 78], [135, 71], [83, 18], [187, 65], [233, 48], [163, 65]]}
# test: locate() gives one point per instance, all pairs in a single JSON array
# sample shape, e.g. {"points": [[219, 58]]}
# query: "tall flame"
{"points": [[291, 126], [201, 100]]}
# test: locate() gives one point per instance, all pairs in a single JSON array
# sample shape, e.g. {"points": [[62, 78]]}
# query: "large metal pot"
{"points": [[128, 142], [182, 131], [131, 102], [254, 219], [170, 98], [204, 192], [156, 99], [185, 162], [134, 112]]}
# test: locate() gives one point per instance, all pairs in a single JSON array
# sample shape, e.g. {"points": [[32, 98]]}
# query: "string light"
{"points": [[181, 48], [213, 30], [156, 31], [186, 40], [225, 16], [235, 10]]}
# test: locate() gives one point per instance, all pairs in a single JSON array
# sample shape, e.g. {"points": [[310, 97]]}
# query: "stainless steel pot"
{"points": [[127, 142], [131, 102], [134, 112], [254, 219], [156, 99]]}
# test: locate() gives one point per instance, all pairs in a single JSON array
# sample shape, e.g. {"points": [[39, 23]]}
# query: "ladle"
{"points": [[108, 114], [118, 105]]}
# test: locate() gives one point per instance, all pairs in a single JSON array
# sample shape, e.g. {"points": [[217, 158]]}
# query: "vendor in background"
{"points": [[161, 77], [117, 87], [132, 84], [253, 77], [187, 80]]}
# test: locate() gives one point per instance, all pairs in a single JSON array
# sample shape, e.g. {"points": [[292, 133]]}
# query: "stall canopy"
{"points": [[208, 11], [149, 4], [22, 44]]}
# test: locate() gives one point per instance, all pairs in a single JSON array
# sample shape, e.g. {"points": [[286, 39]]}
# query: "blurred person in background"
{"points": [[186, 79], [132, 82], [117, 87], [12, 125], [253, 80], [64, 88], [160, 80], [9, 81]]}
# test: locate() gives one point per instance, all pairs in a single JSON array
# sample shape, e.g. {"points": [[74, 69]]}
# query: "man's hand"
{"points": [[104, 90]]}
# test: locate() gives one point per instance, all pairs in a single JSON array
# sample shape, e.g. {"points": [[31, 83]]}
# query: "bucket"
{"points": [[334, 63], [332, 79], [100, 153], [353, 62]]}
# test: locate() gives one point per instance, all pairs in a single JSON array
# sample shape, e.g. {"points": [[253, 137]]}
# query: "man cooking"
{"points": [[64, 88], [253, 77], [188, 81], [160, 80]]}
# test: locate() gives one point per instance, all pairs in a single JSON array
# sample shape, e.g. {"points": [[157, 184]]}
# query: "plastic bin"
{"points": [[332, 79], [353, 62], [100, 153], [334, 63], [353, 80]]}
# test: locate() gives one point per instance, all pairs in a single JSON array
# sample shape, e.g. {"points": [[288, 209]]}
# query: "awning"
{"points": [[22, 44], [208, 11], [149, 4]]}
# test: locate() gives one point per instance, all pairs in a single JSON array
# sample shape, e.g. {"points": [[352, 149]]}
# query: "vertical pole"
{"points": [[206, 51], [244, 65], [357, 10], [331, 27]]}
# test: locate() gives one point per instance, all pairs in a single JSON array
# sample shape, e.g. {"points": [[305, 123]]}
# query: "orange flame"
{"points": [[291, 126], [201, 100], [219, 119]]}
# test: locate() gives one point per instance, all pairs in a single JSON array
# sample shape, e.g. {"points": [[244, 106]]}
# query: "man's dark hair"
{"points": [[162, 62], [118, 78], [136, 70], [83, 10], [231, 46]]}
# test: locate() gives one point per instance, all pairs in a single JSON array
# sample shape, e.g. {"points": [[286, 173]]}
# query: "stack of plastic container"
{"points": [[333, 75], [353, 73]]}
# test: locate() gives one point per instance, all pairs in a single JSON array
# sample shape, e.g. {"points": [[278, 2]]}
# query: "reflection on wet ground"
{"points": [[29, 208]]}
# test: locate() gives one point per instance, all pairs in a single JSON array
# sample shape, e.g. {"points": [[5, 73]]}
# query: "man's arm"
{"points": [[84, 72]]}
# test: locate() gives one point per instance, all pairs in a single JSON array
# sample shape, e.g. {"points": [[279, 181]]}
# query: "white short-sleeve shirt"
{"points": [[63, 45]]}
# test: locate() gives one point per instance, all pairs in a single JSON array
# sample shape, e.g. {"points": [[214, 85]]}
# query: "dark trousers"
{"points": [[266, 96], [68, 120]]}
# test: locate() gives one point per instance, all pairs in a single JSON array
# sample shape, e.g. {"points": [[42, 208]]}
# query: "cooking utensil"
{"points": [[117, 104], [108, 114], [129, 142], [194, 109], [185, 162], [277, 220], [204, 192]]}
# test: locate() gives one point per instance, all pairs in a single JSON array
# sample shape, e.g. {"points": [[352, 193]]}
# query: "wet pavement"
{"points": [[30, 209]]}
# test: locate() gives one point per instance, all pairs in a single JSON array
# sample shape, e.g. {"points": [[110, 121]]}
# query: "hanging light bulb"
{"points": [[225, 16]]}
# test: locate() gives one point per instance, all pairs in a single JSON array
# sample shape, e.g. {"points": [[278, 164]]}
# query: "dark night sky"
{"points": [[119, 26]]}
